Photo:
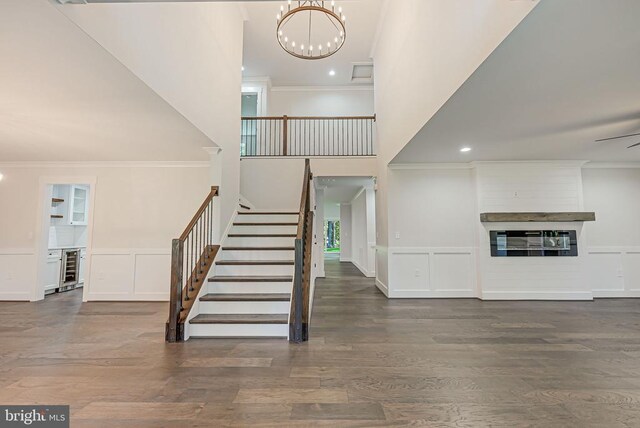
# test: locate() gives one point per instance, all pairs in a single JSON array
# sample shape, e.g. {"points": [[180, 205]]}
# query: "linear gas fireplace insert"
{"points": [[534, 243]]}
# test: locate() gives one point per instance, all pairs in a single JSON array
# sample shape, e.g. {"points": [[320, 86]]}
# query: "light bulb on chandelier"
{"points": [[315, 25]]}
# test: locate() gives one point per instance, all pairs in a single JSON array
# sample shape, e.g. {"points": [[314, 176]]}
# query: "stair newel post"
{"points": [[295, 326], [174, 329], [285, 135]]}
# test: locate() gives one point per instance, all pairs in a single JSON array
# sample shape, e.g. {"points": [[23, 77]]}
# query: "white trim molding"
{"points": [[105, 164], [321, 88]]}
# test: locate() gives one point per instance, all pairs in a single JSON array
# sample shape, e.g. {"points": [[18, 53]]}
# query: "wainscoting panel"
{"points": [[453, 274], [152, 275], [129, 274], [17, 274], [614, 271], [431, 272]]}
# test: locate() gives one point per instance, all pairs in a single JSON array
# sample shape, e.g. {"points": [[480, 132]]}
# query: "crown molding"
{"points": [[261, 80], [321, 88], [357, 195], [457, 165], [105, 164], [612, 165], [567, 163]]}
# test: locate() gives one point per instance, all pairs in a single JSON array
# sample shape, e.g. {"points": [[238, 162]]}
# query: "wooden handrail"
{"points": [[192, 256], [309, 117], [300, 296], [304, 199], [207, 201]]}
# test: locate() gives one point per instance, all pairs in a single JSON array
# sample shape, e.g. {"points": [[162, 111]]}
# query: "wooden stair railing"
{"points": [[194, 253], [303, 136], [300, 296]]}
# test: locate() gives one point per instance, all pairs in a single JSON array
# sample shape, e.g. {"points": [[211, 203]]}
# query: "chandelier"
{"points": [[311, 29]]}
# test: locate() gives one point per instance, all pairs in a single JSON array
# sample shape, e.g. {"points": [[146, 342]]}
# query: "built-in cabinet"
{"points": [[78, 204], [52, 271], [70, 204], [83, 263]]}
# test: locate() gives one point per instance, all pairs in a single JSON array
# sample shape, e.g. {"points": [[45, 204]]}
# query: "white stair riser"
{"points": [[239, 330], [259, 242], [244, 307], [254, 270], [266, 229], [249, 287], [257, 255], [267, 218]]}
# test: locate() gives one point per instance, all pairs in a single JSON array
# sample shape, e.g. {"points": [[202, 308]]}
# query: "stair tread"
{"points": [[268, 213], [255, 262], [246, 297], [251, 278], [240, 319], [258, 248]]}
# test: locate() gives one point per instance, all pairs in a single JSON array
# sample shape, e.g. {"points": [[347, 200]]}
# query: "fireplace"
{"points": [[534, 243]]}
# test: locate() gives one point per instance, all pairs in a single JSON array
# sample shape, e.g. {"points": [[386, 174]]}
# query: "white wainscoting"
{"points": [[431, 272], [130, 274], [614, 271], [17, 274]]}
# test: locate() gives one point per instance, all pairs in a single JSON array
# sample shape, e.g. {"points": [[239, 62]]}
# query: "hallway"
{"points": [[371, 362]]}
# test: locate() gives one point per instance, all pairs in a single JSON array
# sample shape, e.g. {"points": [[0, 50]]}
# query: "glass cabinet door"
{"points": [[78, 205]]}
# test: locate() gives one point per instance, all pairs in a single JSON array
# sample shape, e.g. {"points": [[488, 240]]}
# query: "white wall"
{"points": [[138, 211], [276, 183], [363, 232], [431, 223], [331, 211], [439, 248], [191, 55], [352, 101], [614, 239], [531, 187], [345, 233], [453, 38]]}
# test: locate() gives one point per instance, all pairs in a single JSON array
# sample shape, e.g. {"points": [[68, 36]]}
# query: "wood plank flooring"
{"points": [[371, 362]]}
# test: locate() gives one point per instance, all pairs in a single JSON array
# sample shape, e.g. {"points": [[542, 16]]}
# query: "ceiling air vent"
{"points": [[72, 1], [362, 72]]}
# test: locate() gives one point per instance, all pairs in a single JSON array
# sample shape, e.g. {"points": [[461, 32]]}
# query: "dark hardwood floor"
{"points": [[371, 362]]}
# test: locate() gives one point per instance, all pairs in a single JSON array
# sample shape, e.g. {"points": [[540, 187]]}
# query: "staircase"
{"points": [[249, 292], [258, 284]]}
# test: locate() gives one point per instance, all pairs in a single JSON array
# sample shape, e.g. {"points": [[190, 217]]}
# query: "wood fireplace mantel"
{"points": [[537, 217]]}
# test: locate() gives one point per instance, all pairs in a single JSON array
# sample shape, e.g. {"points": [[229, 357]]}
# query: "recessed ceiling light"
{"points": [[1, 177], [465, 149], [332, 73], [243, 68]]}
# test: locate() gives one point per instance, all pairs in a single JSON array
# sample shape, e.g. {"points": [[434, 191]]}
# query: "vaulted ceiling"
{"points": [[65, 98], [565, 77]]}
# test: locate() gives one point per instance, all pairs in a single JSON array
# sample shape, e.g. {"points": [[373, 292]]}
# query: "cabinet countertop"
{"points": [[70, 247]]}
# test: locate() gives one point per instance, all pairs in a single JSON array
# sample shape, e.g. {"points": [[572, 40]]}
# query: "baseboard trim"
{"points": [[382, 287], [616, 294], [363, 270], [532, 295]]}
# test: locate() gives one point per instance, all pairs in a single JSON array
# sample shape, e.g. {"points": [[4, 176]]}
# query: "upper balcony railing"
{"points": [[308, 136]]}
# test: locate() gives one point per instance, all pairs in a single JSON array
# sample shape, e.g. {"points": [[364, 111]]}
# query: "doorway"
{"points": [[64, 236], [345, 213]]}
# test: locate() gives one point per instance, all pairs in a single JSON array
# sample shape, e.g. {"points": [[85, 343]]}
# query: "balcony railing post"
{"points": [[285, 135], [174, 331]]}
